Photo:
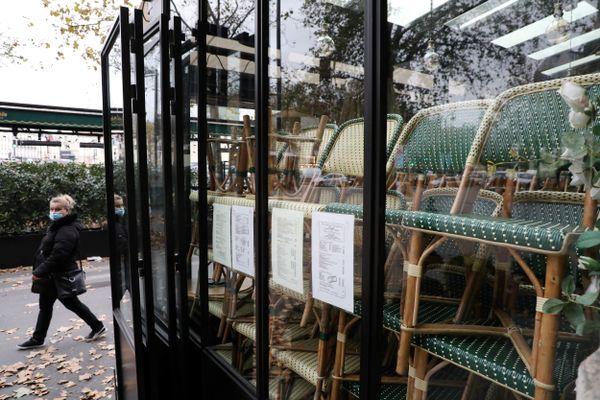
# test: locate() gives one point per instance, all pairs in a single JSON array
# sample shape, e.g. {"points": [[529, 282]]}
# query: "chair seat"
{"points": [[535, 235], [392, 216], [429, 312], [290, 334], [215, 307], [496, 359], [398, 392], [303, 363]]}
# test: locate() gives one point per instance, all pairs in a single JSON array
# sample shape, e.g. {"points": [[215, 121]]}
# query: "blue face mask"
{"points": [[120, 211], [55, 216]]}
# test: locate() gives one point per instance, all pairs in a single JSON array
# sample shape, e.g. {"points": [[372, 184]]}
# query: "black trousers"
{"points": [[72, 303]]}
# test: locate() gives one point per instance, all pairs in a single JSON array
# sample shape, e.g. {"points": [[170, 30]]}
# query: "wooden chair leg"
{"points": [[338, 367], [410, 299], [418, 383], [546, 347], [322, 355]]}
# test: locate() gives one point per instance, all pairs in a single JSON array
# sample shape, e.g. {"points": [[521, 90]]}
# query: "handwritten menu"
{"points": [[287, 229], [242, 239], [221, 235], [333, 259]]}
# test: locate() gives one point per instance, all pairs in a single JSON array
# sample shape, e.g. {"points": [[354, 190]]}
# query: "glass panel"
{"points": [[479, 164], [190, 85], [230, 109], [187, 10], [138, 192], [316, 195], [156, 189], [121, 229]]}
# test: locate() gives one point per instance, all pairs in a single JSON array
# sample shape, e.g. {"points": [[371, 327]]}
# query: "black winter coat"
{"points": [[59, 249], [122, 234]]}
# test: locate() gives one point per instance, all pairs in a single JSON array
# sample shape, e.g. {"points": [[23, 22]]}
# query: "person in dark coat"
{"points": [[122, 234], [58, 252]]}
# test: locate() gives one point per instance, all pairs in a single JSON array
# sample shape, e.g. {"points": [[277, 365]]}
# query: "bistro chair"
{"points": [[341, 163], [448, 128], [544, 226]]}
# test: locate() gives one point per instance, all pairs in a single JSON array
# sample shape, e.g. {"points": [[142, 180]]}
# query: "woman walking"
{"points": [[56, 255]]}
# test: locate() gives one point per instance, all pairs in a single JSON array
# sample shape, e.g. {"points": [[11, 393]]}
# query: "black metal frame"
{"points": [[144, 266], [373, 250], [376, 62], [120, 31], [261, 235]]}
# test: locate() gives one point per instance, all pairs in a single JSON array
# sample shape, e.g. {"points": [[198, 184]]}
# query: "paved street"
{"points": [[68, 367]]}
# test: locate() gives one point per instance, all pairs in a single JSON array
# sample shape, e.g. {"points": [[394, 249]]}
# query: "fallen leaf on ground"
{"points": [[85, 377], [22, 391], [14, 368]]}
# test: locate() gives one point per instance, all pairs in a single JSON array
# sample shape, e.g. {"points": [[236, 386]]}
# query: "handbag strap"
{"points": [[79, 255]]}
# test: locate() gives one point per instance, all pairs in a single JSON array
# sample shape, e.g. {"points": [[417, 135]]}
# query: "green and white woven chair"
{"points": [[535, 117], [450, 128], [341, 161]]}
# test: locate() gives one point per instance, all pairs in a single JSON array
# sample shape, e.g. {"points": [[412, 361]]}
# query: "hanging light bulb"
{"points": [[558, 30], [325, 44], [431, 59]]}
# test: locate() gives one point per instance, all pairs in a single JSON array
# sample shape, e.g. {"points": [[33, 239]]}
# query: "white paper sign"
{"points": [[333, 259], [221, 235], [287, 230], [242, 239]]}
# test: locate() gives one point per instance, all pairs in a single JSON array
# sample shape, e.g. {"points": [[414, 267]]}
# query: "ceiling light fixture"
{"points": [[325, 44], [558, 30], [480, 12], [431, 59], [569, 65], [538, 28]]}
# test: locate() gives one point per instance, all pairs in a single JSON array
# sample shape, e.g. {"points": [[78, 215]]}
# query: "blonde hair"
{"points": [[65, 200]]}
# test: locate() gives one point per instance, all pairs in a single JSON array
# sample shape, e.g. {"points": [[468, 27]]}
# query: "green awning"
{"points": [[25, 116]]}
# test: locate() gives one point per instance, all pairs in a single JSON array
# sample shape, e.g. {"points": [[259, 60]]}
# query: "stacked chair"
{"points": [[533, 238], [472, 255], [313, 360], [448, 130]]}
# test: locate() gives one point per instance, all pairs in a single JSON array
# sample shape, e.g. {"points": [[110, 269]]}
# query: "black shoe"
{"points": [[95, 334], [30, 344]]}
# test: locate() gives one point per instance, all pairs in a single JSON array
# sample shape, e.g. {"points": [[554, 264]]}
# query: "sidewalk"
{"points": [[67, 368]]}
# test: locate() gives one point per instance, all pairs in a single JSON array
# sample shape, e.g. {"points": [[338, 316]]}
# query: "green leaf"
{"points": [[590, 263], [588, 239], [596, 130], [568, 285], [553, 306], [588, 327], [587, 299], [597, 224], [574, 314]]}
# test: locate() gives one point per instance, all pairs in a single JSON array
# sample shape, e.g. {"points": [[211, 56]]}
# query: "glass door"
{"points": [[122, 215]]}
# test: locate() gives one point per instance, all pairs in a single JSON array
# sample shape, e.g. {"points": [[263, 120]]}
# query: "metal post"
{"points": [[376, 39], [261, 233]]}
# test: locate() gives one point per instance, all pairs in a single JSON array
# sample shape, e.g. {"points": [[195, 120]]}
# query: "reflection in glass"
{"points": [[156, 189], [121, 228]]}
